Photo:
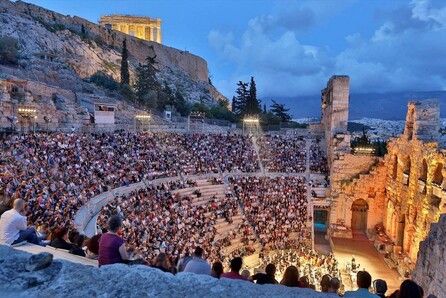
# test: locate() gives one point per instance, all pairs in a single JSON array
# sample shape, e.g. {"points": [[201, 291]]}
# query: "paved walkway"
{"points": [[368, 258]]}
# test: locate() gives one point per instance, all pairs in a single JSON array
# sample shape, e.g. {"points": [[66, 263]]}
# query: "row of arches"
{"points": [[407, 164]]}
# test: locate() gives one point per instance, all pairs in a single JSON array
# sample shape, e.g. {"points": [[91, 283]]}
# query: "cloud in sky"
{"points": [[405, 52]]}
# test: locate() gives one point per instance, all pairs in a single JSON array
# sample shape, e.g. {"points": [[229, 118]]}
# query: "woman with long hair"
{"points": [[291, 277]]}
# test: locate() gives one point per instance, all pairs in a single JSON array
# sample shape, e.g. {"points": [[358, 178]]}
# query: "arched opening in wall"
{"points": [[320, 217], [408, 238], [320, 220], [360, 210], [400, 230], [395, 167], [406, 171], [410, 124], [438, 175], [423, 178]]}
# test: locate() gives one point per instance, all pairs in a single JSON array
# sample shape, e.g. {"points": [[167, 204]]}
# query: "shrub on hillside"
{"points": [[104, 80], [8, 50]]}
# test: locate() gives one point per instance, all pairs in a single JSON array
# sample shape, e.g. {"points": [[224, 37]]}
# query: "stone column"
{"points": [[153, 38], [158, 38]]}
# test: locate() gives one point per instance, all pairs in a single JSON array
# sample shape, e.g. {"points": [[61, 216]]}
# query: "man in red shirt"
{"points": [[236, 265]]}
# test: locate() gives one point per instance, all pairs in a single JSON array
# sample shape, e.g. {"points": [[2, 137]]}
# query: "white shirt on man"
{"points": [[11, 223], [198, 265]]}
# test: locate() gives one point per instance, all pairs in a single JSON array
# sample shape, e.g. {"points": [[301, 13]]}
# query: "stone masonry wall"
{"points": [[430, 270], [416, 191]]}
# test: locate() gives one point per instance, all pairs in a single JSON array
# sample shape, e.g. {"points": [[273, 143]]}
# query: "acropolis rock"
{"points": [[59, 51]]}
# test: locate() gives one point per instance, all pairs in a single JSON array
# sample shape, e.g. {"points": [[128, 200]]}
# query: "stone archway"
{"points": [[360, 210]]}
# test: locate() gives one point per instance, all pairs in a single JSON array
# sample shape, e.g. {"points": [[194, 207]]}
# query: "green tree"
{"points": [[8, 50], [147, 87], [127, 93], [264, 109], [280, 111], [125, 75], [252, 104], [240, 102], [181, 104]]}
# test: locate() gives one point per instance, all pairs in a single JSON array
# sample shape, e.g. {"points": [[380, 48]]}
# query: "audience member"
{"points": [[162, 263], [305, 281], [380, 287], [111, 246], [78, 245], [364, 281], [217, 269], [93, 247], [291, 278], [410, 289], [13, 227], [183, 262], [245, 274], [236, 265], [266, 278], [59, 239], [334, 286], [325, 282], [198, 264]]}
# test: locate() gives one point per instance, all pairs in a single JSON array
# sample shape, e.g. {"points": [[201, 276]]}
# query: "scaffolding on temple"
{"points": [[251, 125], [195, 122], [142, 121]]}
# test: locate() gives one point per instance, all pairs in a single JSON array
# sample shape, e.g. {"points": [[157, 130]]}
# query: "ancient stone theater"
{"points": [[394, 199]]}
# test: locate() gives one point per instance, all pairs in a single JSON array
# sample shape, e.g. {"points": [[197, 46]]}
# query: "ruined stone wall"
{"points": [[416, 191], [430, 270], [423, 120], [335, 105], [349, 167], [352, 177], [356, 177], [416, 184]]}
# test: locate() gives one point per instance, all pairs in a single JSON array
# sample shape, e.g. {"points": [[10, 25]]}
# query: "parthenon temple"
{"points": [[142, 27]]}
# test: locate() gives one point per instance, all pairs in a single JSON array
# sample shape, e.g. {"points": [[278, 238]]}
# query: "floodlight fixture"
{"points": [[27, 112]]}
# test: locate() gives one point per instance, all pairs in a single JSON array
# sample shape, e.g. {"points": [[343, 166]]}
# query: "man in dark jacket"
{"points": [[268, 277], [380, 287]]}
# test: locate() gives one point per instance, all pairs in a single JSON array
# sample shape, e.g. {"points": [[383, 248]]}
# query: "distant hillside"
{"points": [[389, 106]]}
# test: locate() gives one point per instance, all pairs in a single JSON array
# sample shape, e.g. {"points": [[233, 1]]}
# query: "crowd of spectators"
{"points": [[210, 153], [58, 173], [318, 160], [155, 220], [309, 263], [274, 207], [284, 154]]}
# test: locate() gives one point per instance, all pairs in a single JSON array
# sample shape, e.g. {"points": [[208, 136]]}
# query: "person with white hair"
{"points": [[13, 227]]}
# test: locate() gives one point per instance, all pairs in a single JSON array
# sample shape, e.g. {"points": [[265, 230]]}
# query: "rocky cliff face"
{"points": [[81, 48], [430, 270], [66, 279]]}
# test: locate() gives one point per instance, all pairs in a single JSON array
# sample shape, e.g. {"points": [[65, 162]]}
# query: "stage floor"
{"points": [[368, 258]]}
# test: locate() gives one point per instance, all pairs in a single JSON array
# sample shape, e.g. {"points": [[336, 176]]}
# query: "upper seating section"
{"points": [[284, 154], [56, 174]]}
